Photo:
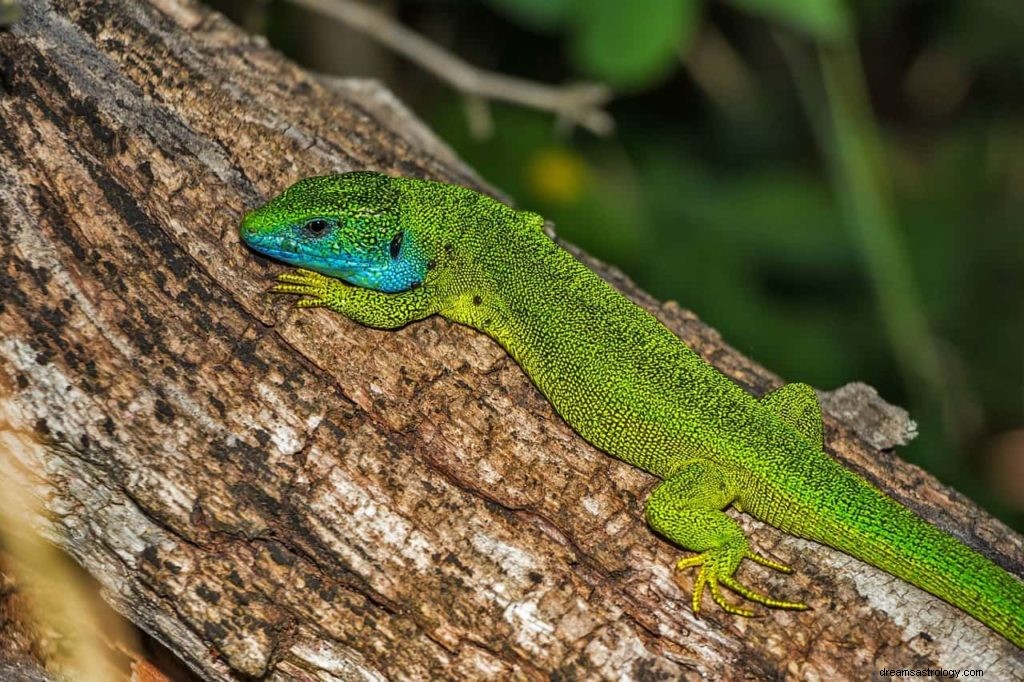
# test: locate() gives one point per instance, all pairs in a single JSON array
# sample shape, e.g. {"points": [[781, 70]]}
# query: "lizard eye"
{"points": [[317, 228], [396, 244]]}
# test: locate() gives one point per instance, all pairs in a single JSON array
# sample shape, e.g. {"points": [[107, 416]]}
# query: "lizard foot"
{"points": [[314, 288], [713, 575]]}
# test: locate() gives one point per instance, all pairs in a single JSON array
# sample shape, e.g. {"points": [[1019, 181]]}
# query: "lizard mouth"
{"points": [[291, 252]]}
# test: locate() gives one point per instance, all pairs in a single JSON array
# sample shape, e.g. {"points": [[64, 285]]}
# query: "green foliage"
{"points": [[631, 43], [625, 44], [826, 20]]}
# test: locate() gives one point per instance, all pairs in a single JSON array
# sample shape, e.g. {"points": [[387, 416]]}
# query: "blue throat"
{"points": [[400, 274]]}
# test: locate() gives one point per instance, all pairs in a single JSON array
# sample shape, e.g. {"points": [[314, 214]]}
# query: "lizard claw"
{"points": [[311, 286], [770, 563], [712, 576], [300, 276]]}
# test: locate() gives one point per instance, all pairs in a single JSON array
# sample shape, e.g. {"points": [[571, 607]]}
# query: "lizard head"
{"points": [[346, 226]]}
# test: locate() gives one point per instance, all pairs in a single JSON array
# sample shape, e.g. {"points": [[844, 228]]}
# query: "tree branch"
{"points": [[578, 103]]}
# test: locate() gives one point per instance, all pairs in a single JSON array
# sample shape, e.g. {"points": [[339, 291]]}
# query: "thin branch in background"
{"points": [[578, 103], [720, 71], [478, 116]]}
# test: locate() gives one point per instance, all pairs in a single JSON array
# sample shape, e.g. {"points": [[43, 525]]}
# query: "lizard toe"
{"points": [[716, 571]]}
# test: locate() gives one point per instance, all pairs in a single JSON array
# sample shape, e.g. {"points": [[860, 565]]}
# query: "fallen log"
{"points": [[284, 494]]}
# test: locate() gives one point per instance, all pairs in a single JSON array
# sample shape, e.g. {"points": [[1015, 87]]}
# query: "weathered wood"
{"points": [[286, 494]]}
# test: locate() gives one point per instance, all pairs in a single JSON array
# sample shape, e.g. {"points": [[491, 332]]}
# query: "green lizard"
{"points": [[385, 251]]}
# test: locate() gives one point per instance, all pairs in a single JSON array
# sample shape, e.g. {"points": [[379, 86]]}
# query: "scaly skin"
{"points": [[622, 380]]}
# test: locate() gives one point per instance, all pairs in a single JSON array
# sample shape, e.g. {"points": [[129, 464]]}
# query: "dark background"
{"points": [[837, 187]]}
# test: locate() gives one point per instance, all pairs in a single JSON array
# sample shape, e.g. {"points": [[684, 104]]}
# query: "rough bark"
{"points": [[286, 494]]}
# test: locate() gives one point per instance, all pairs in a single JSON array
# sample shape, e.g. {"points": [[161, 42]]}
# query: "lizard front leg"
{"points": [[365, 306], [687, 509]]}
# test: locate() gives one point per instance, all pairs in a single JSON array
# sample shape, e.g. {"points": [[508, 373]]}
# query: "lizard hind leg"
{"points": [[687, 509]]}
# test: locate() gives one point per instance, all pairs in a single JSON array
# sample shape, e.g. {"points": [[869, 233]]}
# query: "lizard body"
{"points": [[387, 251]]}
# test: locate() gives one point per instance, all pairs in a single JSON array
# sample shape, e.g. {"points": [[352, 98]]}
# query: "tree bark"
{"points": [[285, 494]]}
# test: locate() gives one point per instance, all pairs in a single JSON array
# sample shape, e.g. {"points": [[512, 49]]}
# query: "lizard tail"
{"points": [[893, 538]]}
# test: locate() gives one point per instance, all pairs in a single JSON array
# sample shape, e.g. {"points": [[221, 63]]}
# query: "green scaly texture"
{"points": [[618, 376]]}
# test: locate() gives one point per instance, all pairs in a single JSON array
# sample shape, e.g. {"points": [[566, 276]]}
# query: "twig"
{"points": [[720, 72], [578, 103]]}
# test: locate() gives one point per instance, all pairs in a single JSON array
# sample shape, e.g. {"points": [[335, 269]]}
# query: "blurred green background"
{"points": [[838, 187]]}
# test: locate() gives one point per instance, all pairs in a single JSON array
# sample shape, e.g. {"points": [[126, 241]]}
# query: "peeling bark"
{"points": [[287, 495]]}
